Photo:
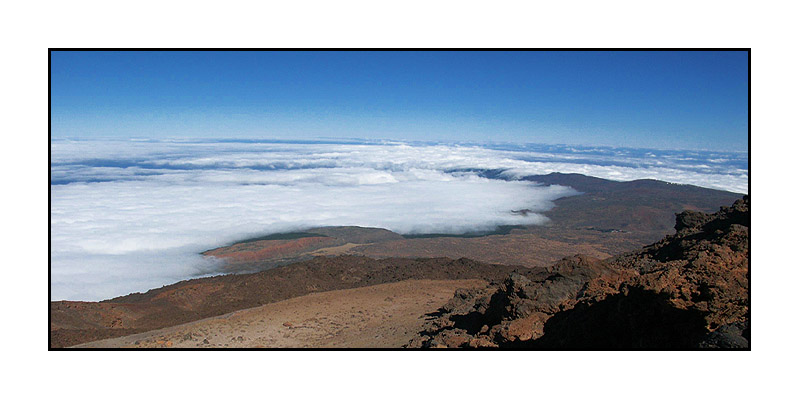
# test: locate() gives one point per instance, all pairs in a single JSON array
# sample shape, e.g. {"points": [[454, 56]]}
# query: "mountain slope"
{"points": [[79, 322], [608, 218], [689, 290], [378, 316]]}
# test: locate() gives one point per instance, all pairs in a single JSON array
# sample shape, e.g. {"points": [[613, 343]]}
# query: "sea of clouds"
{"points": [[131, 215]]}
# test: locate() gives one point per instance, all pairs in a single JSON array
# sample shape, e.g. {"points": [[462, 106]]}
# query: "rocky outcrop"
{"points": [[689, 290]]}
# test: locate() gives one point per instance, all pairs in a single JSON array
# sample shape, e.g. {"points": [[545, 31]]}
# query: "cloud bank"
{"points": [[129, 216]]}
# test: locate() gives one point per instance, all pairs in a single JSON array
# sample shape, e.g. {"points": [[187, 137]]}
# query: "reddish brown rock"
{"points": [[689, 290]]}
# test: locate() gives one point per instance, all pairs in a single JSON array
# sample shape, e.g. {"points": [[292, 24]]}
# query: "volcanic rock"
{"points": [[689, 290]]}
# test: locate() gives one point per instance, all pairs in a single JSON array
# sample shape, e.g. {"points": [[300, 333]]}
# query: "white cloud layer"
{"points": [[129, 216]]}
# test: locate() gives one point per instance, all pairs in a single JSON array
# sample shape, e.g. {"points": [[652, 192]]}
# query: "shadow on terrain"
{"points": [[639, 320]]}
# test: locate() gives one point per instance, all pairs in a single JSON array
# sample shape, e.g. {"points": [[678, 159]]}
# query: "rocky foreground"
{"points": [[689, 290]]}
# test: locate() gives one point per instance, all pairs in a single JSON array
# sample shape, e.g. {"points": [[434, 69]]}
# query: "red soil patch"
{"points": [[270, 249]]}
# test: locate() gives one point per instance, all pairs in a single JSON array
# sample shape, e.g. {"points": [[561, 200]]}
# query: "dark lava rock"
{"points": [[690, 219], [689, 290], [731, 336]]}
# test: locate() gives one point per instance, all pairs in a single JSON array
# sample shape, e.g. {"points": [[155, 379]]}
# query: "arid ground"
{"points": [[368, 287]]}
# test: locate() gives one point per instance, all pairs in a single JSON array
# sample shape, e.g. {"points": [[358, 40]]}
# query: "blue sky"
{"points": [[682, 100]]}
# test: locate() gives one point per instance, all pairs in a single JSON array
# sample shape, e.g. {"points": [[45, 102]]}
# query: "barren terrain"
{"points": [[382, 316], [607, 218], [74, 322], [358, 287]]}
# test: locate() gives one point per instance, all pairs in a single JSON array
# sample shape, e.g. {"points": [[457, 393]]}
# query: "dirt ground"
{"points": [[379, 316]]}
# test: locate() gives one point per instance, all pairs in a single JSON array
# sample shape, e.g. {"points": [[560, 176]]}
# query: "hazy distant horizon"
{"points": [[345, 140]]}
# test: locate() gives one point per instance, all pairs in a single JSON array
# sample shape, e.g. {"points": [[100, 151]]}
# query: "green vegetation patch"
{"points": [[501, 230], [282, 236]]}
